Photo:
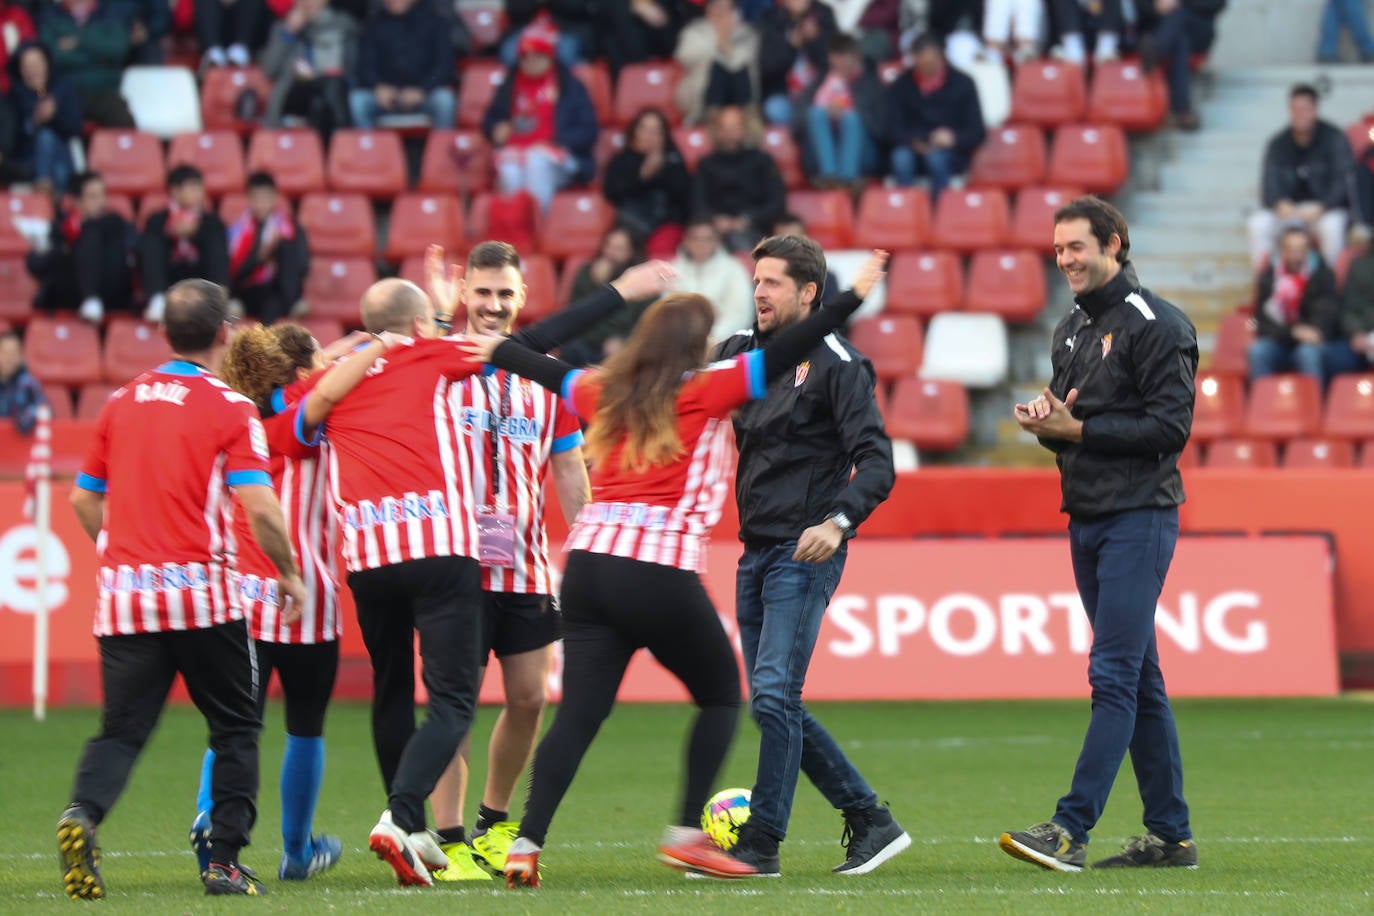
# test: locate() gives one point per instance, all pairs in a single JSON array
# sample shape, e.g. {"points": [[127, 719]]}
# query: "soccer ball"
{"points": [[723, 815]]}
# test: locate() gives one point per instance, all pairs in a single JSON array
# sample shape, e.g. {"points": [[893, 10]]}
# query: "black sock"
{"points": [[452, 835], [488, 816], [223, 854]]}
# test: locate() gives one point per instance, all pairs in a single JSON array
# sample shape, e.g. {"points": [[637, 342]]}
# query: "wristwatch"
{"points": [[841, 521]]}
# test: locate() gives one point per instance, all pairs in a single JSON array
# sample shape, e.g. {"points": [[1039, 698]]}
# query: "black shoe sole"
{"points": [[80, 873]]}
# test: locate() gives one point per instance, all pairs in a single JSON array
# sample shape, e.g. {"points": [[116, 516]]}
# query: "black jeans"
{"points": [[307, 674], [441, 599], [612, 607], [219, 666]]}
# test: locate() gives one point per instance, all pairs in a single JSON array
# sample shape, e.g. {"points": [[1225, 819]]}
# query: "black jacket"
{"points": [[777, 55], [412, 49], [648, 204], [1329, 163], [1133, 357], [743, 183], [798, 445], [913, 115]]}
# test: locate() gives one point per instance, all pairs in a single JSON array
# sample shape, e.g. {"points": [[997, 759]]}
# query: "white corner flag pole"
{"points": [[40, 477]]}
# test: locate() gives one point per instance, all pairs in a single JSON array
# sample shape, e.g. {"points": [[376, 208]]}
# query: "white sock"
{"points": [[238, 55], [1074, 52], [92, 310], [1106, 46], [157, 306]]}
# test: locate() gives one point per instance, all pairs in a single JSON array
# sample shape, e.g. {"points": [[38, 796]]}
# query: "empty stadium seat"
{"points": [[1122, 93], [149, 204], [368, 162], [652, 84], [335, 286], [1219, 406], [1350, 407], [413, 269], [1283, 406], [419, 220], [693, 143], [294, 157], [163, 100], [219, 95], [217, 153], [1011, 157], [1234, 336], [541, 288], [17, 289], [1319, 453], [924, 283], [932, 414], [967, 348], [827, 215], [132, 347], [609, 141], [893, 343], [130, 161], [1360, 134], [455, 161], [596, 76], [1032, 218], [778, 143], [1092, 156], [1048, 93], [339, 225], [574, 224], [62, 350], [967, 220], [1240, 453], [892, 218], [91, 398], [59, 401], [505, 217], [324, 329], [25, 218], [477, 86], [486, 23], [1006, 283]]}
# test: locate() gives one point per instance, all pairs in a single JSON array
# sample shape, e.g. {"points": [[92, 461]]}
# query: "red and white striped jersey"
{"points": [[665, 515], [167, 447], [528, 425]]}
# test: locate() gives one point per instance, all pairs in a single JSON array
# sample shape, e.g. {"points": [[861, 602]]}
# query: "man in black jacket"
{"points": [[934, 120], [1117, 413], [737, 185], [184, 241], [89, 264], [405, 66], [1175, 30], [1297, 311], [794, 36], [798, 507]]}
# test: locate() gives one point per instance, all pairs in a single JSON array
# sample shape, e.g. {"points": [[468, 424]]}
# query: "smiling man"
{"points": [[1117, 413]]}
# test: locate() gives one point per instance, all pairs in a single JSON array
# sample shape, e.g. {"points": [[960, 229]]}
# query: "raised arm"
{"points": [[792, 344], [338, 381]]}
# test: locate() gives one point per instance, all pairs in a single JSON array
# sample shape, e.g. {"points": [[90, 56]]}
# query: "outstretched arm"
{"points": [[643, 281], [338, 381]]}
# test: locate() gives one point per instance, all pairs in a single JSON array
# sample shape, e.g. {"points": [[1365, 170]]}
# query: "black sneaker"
{"points": [[871, 837], [1149, 851], [758, 849], [221, 880], [80, 855], [1047, 845]]}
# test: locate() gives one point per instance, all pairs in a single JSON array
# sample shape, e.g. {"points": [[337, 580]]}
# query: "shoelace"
{"points": [[1047, 831], [508, 829], [1143, 843]]}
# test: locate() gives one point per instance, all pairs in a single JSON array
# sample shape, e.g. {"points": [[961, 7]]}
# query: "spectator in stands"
{"points": [[574, 25], [719, 55], [1011, 28], [268, 254], [935, 122], [1296, 309], [228, 31], [20, 392], [542, 123], [879, 28], [845, 117], [89, 42], [621, 248], [89, 262], [704, 266], [405, 66], [1076, 22], [49, 116], [640, 30], [149, 23], [16, 28], [648, 183], [182, 242], [737, 185], [1348, 15], [1355, 352], [308, 58], [1175, 30], [791, 224], [1308, 176], [794, 38]]}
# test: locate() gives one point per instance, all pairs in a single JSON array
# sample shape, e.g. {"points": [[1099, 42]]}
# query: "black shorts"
{"points": [[513, 623]]}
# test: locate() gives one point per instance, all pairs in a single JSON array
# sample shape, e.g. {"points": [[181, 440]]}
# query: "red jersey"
{"points": [[400, 473], [665, 514], [167, 447], [526, 425]]}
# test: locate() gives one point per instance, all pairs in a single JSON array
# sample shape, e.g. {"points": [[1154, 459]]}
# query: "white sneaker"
{"points": [[157, 307], [426, 846], [214, 57], [238, 55], [393, 847], [92, 310]]}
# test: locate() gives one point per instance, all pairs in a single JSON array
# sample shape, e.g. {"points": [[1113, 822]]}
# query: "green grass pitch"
{"points": [[1280, 792]]}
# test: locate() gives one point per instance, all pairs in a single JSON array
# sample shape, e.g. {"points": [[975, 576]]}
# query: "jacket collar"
{"points": [[1097, 302]]}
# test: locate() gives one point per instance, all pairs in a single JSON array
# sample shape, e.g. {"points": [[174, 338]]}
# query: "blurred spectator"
{"points": [[89, 42], [1011, 28], [621, 248], [16, 28], [20, 392], [446, 10], [879, 29], [183, 241], [268, 254], [308, 58], [1175, 30], [542, 123], [845, 117], [1296, 309], [89, 262], [1348, 15], [935, 122], [405, 66], [49, 115], [719, 58], [705, 267], [794, 37], [149, 22], [648, 183], [573, 24], [1355, 353], [229, 30], [1076, 22], [640, 30], [791, 224], [1308, 176], [737, 185]]}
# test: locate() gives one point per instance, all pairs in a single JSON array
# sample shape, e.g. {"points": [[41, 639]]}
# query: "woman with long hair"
{"points": [[649, 184], [660, 444]]}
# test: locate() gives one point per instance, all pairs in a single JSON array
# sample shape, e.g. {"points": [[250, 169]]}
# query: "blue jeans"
{"points": [[1119, 564], [1338, 358], [51, 158], [439, 106], [940, 165], [1348, 13], [538, 173], [777, 109], [1268, 356], [1179, 36], [780, 603], [842, 148]]}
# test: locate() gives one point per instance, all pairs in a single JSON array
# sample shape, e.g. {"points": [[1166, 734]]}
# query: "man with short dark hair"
{"points": [[183, 241], [90, 258], [934, 119], [1117, 414], [268, 254]]}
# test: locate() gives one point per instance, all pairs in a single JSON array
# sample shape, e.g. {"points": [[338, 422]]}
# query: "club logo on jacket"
{"points": [[803, 369], [1106, 344]]}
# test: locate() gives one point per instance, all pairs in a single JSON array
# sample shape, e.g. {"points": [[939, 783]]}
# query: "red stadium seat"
{"points": [[1219, 407], [1241, 453], [1011, 157], [293, 157], [419, 220], [486, 24], [149, 204], [933, 415], [778, 143], [131, 348], [968, 221], [217, 153], [413, 269], [368, 162], [574, 224], [541, 288], [693, 143], [130, 162], [1123, 94], [924, 283], [893, 343], [609, 141], [324, 329], [892, 218], [340, 225], [32, 208], [1350, 407], [90, 400], [1360, 134], [1032, 218], [1092, 156], [652, 84], [1319, 453], [504, 217], [476, 88], [17, 289], [219, 95], [335, 286], [62, 350], [827, 215], [596, 76], [1048, 93], [1366, 458], [1006, 283], [1284, 406], [455, 161], [1234, 336], [59, 400], [567, 274], [1191, 456]]}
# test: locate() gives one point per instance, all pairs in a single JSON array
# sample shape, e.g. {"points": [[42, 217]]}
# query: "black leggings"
{"points": [[307, 680], [613, 607]]}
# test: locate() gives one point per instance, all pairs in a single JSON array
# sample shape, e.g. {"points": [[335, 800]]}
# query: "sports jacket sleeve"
{"points": [[563, 326], [862, 435], [1164, 358]]}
